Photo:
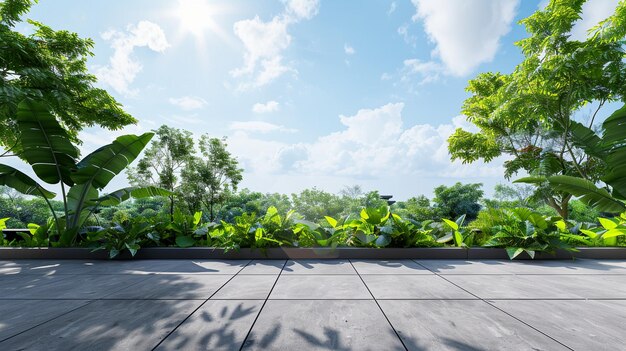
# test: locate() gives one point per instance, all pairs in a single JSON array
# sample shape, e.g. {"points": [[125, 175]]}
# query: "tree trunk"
{"points": [[172, 208]]}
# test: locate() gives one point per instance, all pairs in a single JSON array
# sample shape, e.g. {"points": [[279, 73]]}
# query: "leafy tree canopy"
{"points": [[49, 66]]}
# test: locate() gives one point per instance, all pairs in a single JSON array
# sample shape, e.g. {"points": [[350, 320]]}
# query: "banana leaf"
{"points": [[46, 145], [588, 192], [19, 181], [99, 167], [121, 195]]}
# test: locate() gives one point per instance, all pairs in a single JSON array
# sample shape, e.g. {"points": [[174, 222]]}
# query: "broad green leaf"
{"points": [[3, 223], [607, 223], [451, 224], [331, 221], [589, 233], [561, 225], [185, 241], [514, 252], [614, 232], [22, 183], [444, 239], [46, 145], [99, 167], [588, 193], [458, 238], [113, 253], [531, 180], [121, 195], [197, 217], [258, 234], [459, 221], [133, 248], [383, 240]]}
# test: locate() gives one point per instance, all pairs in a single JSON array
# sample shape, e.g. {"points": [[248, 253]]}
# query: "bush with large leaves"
{"points": [[610, 148], [54, 159]]}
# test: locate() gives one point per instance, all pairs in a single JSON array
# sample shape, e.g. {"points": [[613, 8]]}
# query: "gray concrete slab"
{"points": [[543, 286], [138, 266], [461, 325], [318, 267], [217, 325], [75, 287], [388, 267], [106, 325], [465, 267], [413, 287], [174, 286], [47, 267], [207, 267], [15, 285], [579, 324], [566, 267], [244, 287], [322, 325], [17, 316], [320, 287], [264, 267]]}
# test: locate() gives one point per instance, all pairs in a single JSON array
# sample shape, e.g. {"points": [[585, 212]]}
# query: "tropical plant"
{"points": [[529, 113], [522, 230], [54, 159], [129, 235], [49, 66]]}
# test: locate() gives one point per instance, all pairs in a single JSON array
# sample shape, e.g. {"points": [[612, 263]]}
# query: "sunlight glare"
{"points": [[195, 16]]}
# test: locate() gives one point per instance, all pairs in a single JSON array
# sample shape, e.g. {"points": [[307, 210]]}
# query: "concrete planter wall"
{"points": [[305, 253]]}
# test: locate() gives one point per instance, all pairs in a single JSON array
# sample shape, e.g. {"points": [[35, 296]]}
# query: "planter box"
{"points": [[306, 253]]}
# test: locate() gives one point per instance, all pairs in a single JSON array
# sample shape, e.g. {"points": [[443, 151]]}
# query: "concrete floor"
{"points": [[312, 305]]}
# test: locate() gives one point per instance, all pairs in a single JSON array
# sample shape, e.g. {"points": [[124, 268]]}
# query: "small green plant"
{"points": [[523, 230], [610, 230], [129, 235]]}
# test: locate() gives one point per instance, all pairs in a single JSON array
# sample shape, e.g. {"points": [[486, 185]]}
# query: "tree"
{"points": [[163, 162], [209, 180], [49, 67], [528, 114], [416, 208], [459, 199], [314, 204], [54, 159]]}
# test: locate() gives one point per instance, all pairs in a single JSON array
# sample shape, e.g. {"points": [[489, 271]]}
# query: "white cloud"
{"points": [[466, 33], [403, 30], [188, 103], [372, 144], [265, 43], [428, 71], [123, 67], [392, 8], [593, 12], [349, 50], [385, 76], [259, 127], [270, 106], [301, 9]]}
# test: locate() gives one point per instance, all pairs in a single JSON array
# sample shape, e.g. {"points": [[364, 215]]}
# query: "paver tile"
{"points": [[579, 324], [243, 287], [318, 267], [25, 284], [47, 267], [388, 267], [322, 325], [465, 267], [543, 286], [461, 325], [320, 287], [106, 325], [217, 325], [413, 287], [207, 267], [20, 315], [171, 286], [264, 267]]}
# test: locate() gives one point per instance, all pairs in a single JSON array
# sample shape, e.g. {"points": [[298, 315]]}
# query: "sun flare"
{"points": [[195, 16]]}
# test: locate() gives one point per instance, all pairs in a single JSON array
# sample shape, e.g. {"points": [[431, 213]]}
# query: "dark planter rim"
{"points": [[443, 253]]}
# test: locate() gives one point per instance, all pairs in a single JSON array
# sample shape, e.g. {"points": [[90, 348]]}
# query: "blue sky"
{"points": [[309, 92]]}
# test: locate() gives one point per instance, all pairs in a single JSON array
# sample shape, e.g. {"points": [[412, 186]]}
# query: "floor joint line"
{"points": [[199, 306], [243, 343], [379, 307]]}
